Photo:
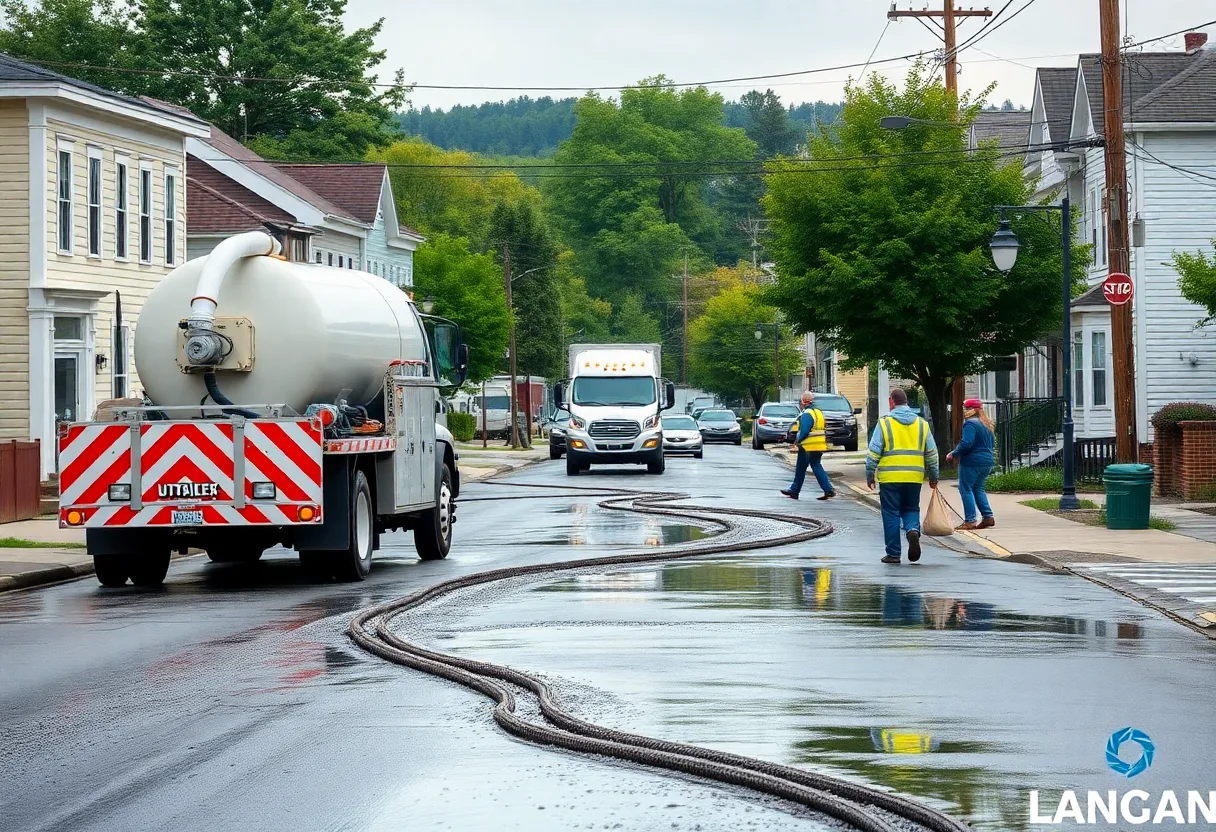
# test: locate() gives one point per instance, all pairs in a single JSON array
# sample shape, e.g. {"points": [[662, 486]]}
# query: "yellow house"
{"points": [[92, 205]]}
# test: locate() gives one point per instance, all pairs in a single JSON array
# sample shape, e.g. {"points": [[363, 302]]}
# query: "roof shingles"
{"points": [[355, 187]]}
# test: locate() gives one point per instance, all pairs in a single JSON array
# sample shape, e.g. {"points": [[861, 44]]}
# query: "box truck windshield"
{"points": [[618, 391], [495, 403]]}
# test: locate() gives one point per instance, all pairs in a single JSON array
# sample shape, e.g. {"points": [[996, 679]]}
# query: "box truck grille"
{"points": [[614, 429]]}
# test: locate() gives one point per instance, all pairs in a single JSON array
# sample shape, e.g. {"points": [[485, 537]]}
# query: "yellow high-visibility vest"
{"points": [[817, 439], [903, 450]]}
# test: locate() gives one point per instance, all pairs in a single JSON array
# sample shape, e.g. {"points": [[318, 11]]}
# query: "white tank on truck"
{"points": [[615, 395], [288, 403]]}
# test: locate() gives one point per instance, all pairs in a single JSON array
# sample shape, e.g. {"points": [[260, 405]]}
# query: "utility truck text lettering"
{"points": [[188, 491]]}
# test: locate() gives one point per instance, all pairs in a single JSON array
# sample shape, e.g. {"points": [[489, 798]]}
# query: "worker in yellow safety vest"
{"points": [[902, 454], [812, 442]]}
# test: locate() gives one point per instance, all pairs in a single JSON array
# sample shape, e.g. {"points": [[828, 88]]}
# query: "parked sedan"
{"points": [[720, 426], [555, 428], [681, 436], [773, 423]]}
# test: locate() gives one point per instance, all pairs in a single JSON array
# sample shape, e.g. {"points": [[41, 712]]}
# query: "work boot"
{"points": [[890, 559], [913, 545], [966, 527], [986, 523], [793, 495], [827, 496]]}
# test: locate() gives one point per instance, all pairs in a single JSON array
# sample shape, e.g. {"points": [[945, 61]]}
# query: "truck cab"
{"points": [[615, 396]]}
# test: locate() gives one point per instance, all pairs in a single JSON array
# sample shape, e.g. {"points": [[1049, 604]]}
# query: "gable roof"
{"points": [[1058, 86], [219, 205], [1144, 72], [230, 147], [1010, 129], [1093, 296], [16, 71], [1190, 96], [354, 187]]}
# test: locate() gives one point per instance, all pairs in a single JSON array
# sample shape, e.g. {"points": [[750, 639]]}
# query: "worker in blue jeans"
{"points": [[812, 441], [974, 455], [901, 454]]}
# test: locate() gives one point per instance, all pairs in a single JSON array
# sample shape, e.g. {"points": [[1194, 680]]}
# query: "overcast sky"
{"points": [[581, 43]]}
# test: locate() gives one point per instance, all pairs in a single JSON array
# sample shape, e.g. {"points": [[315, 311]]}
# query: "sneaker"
{"points": [[913, 545], [986, 523], [827, 496], [793, 495], [890, 559]]}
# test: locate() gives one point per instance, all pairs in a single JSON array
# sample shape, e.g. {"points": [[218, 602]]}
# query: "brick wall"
{"points": [[1167, 463], [1184, 461]]}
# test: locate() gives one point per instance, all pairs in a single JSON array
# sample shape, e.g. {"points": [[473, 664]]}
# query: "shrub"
{"points": [[462, 425], [1167, 418], [1027, 479]]}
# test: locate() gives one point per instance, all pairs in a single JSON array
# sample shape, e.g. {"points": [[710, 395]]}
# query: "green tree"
{"points": [[724, 355], [888, 258], [518, 229], [584, 318], [92, 32], [630, 225], [768, 124], [1197, 280], [633, 324], [467, 288]]}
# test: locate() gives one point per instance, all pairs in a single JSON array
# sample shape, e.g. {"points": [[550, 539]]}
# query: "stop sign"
{"points": [[1117, 288]]}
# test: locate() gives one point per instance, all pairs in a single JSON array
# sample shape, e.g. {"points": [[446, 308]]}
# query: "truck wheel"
{"points": [[657, 466], [111, 570], [433, 534], [573, 467], [149, 568], [554, 452], [353, 563]]}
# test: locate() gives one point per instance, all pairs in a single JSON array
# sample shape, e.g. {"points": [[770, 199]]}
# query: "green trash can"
{"points": [[1129, 494]]}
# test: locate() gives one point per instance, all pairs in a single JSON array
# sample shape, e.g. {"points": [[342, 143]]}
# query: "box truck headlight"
{"points": [[120, 492], [650, 422], [577, 423], [264, 491]]}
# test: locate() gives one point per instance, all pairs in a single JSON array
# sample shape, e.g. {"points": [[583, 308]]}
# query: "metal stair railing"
{"points": [[1024, 427]]}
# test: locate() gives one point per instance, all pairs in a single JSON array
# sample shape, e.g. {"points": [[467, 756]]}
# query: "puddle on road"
{"points": [[589, 525], [847, 599]]}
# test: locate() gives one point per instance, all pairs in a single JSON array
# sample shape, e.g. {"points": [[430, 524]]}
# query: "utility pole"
{"points": [[777, 361], [506, 259], [949, 16], [684, 374], [1127, 447]]}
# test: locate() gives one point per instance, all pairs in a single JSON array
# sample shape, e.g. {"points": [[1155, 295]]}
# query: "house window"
{"points": [[145, 214], [407, 273], [331, 258], [1093, 223], [94, 196], [1078, 370], [1097, 358], [65, 201], [318, 258], [170, 217], [985, 387], [120, 209], [121, 361]]}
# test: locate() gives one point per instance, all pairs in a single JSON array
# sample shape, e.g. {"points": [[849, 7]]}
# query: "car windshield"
{"points": [[779, 411], [835, 404], [496, 403], [717, 416], [679, 423], [621, 391]]}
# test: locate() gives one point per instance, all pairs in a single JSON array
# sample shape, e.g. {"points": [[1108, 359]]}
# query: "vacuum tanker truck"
{"points": [[284, 403]]}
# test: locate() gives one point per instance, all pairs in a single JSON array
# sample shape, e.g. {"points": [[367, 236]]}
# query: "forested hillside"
{"points": [[536, 126]]}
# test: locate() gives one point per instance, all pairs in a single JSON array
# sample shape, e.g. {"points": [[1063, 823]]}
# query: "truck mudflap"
{"points": [[180, 474]]}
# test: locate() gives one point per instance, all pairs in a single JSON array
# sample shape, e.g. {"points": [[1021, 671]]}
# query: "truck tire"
{"points": [[433, 534], [657, 465], [111, 570], [354, 562], [149, 568], [573, 466]]}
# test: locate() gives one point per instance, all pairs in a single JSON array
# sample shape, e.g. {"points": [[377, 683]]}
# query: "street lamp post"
{"points": [[776, 355], [1005, 247]]}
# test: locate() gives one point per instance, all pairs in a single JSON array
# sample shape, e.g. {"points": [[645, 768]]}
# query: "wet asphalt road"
{"points": [[232, 699]]}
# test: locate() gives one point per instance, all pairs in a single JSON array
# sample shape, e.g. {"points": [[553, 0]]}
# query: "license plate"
{"points": [[188, 518]]}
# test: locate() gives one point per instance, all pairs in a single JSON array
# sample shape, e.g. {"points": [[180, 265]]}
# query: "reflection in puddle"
{"points": [[592, 526]]}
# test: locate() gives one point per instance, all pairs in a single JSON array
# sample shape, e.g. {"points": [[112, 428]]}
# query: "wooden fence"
{"points": [[20, 464]]}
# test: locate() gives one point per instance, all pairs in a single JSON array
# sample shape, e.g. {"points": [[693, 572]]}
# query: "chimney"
{"points": [[1195, 41]]}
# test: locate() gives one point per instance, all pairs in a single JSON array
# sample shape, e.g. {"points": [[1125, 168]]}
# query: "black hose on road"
{"points": [[845, 800]]}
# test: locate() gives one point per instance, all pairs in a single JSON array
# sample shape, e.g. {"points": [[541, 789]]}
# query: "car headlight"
{"points": [[577, 423], [850, 421], [556, 432], [650, 422]]}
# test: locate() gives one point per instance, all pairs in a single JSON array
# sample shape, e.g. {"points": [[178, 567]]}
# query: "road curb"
{"points": [[50, 575]]}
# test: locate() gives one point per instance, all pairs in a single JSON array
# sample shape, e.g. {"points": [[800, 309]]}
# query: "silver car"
{"points": [[681, 436], [720, 426]]}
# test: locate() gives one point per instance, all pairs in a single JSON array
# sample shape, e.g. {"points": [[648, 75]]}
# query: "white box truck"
{"points": [[615, 395]]}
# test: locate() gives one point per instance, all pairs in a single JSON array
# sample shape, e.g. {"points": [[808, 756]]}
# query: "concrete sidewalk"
{"points": [[477, 463]]}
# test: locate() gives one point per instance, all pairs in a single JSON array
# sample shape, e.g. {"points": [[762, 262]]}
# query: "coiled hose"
{"points": [[213, 390], [850, 802]]}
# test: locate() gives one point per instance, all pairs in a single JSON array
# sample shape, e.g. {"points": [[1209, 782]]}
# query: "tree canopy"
{"points": [[1197, 280], [518, 230], [889, 261]]}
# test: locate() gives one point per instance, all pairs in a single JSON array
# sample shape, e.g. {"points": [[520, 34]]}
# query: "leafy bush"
{"points": [[1027, 479], [1168, 417], [462, 425]]}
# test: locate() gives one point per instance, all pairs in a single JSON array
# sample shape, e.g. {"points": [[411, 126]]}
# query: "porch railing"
{"points": [[1024, 427]]}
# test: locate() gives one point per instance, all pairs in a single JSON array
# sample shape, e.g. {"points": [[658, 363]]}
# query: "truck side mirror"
{"points": [[462, 362], [559, 394], [857, 411], [671, 396]]}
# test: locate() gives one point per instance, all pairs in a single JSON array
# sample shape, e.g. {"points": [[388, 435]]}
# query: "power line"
{"points": [[1171, 34], [874, 51], [988, 24], [988, 32]]}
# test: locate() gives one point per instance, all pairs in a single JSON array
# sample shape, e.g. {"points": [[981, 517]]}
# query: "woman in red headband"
{"points": [[975, 459]]}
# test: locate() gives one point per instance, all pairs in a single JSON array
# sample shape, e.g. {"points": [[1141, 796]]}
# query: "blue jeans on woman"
{"points": [[971, 481]]}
